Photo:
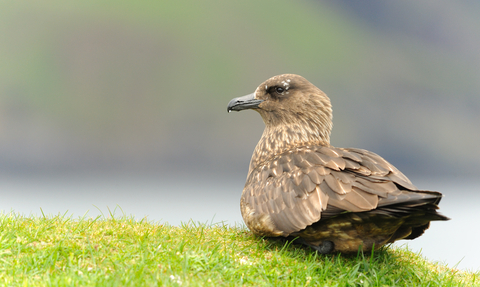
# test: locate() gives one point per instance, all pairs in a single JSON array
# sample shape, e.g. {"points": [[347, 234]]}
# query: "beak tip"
{"points": [[243, 103]]}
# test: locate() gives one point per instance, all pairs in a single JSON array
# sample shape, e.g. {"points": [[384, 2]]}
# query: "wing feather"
{"points": [[322, 170], [297, 176], [361, 199], [343, 205], [276, 168], [329, 151], [315, 159], [344, 177], [308, 210], [323, 198], [335, 185], [336, 163], [330, 193], [283, 222], [315, 176], [280, 204], [350, 164], [307, 185]]}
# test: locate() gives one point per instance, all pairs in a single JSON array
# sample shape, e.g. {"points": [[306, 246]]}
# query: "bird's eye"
{"points": [[279, 90]]}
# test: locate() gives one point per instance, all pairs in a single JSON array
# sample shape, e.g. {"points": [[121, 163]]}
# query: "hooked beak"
{"points": [[243, 103]]}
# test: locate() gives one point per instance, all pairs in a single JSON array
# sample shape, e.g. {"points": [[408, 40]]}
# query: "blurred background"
{"points": [[120, 106]]}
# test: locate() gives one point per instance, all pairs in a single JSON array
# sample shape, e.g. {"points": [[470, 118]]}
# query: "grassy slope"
{"points": [[57, 250]]}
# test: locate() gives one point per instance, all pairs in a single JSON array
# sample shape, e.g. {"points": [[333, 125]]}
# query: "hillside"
{"points": [[144, 85], [58, 250]]}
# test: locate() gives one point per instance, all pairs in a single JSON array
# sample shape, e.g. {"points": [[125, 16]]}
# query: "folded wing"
{"points": [[299, 187]]}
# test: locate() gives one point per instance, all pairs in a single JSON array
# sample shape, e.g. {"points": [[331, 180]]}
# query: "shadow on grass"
{"points": [[385, 265]]}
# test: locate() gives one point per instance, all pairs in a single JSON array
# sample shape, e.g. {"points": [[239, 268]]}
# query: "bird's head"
{"points": [[290, 102]]}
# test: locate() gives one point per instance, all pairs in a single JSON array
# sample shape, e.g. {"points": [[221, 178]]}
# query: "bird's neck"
{"points": [[279, 139]]}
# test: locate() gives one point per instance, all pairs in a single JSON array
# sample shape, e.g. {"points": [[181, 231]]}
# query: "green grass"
{"points": [[61, 251]]}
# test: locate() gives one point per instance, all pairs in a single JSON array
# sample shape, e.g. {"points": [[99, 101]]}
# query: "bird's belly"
{"points": [[351, 231]]}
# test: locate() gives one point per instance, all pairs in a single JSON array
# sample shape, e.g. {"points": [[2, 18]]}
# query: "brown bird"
{"points": [[331, 199]]}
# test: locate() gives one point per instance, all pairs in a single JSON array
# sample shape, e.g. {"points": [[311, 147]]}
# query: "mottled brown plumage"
{"points": [[333, 199]]}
